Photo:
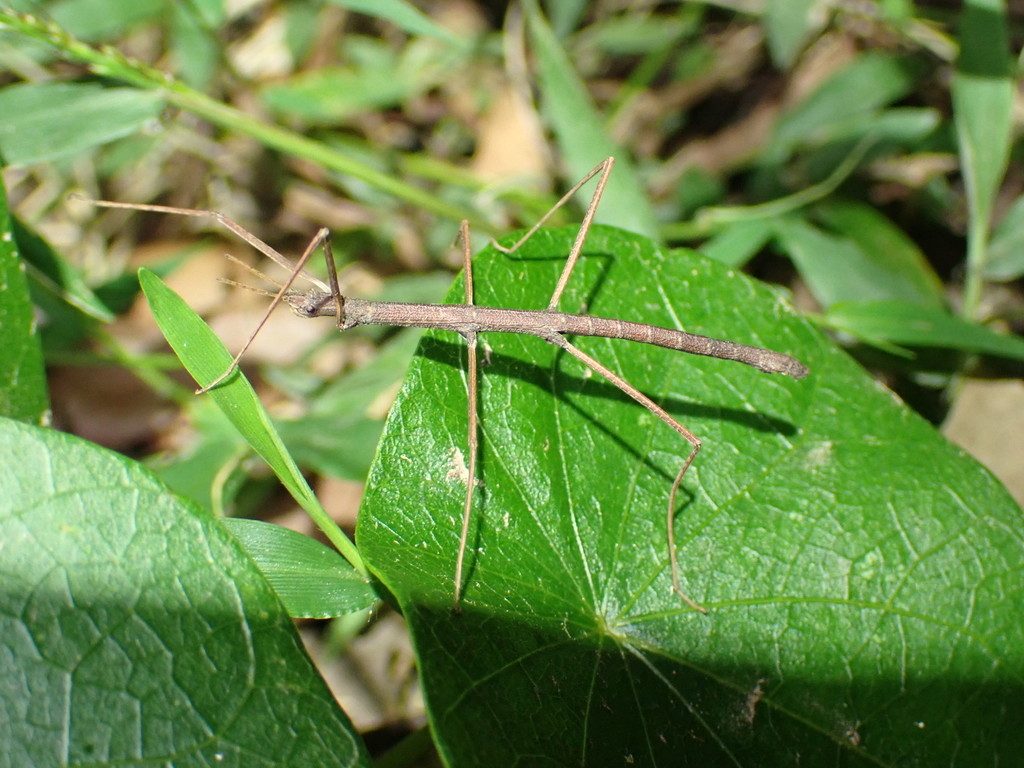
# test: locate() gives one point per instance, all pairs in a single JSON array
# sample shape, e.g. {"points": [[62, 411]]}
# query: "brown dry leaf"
{"points": [[108, 405], [987, 420], [341, 499], [375, 681], [195, 279], [510, 144], [282, 341]]}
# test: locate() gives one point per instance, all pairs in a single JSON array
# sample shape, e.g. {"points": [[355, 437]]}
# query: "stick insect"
{"points": [[469, 320]]}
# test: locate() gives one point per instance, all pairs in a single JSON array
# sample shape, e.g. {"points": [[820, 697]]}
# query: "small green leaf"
{"points": [[209, 13], [41, 122], [195, 47], [582, 137], [312, 580], [338, 433], [983, 97], [787, 25], [983, 102], [631, 34], [375, 78], [67, 304], [135, 629], [202, 353], [909, 324], [1006, 251], [99, 20], [23, 391], [330, 95], [739, 242], [404, 16], [893, 259], [871, 81], [837, 268], [66, 311], [862, 574], [900, 126], [565, 15]]}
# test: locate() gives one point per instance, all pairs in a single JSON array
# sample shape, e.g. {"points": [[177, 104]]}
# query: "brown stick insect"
{"points": [[469, 320]]}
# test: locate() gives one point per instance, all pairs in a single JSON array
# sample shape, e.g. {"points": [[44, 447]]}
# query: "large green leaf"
{"points": [[134, 629], [863, 576]]}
